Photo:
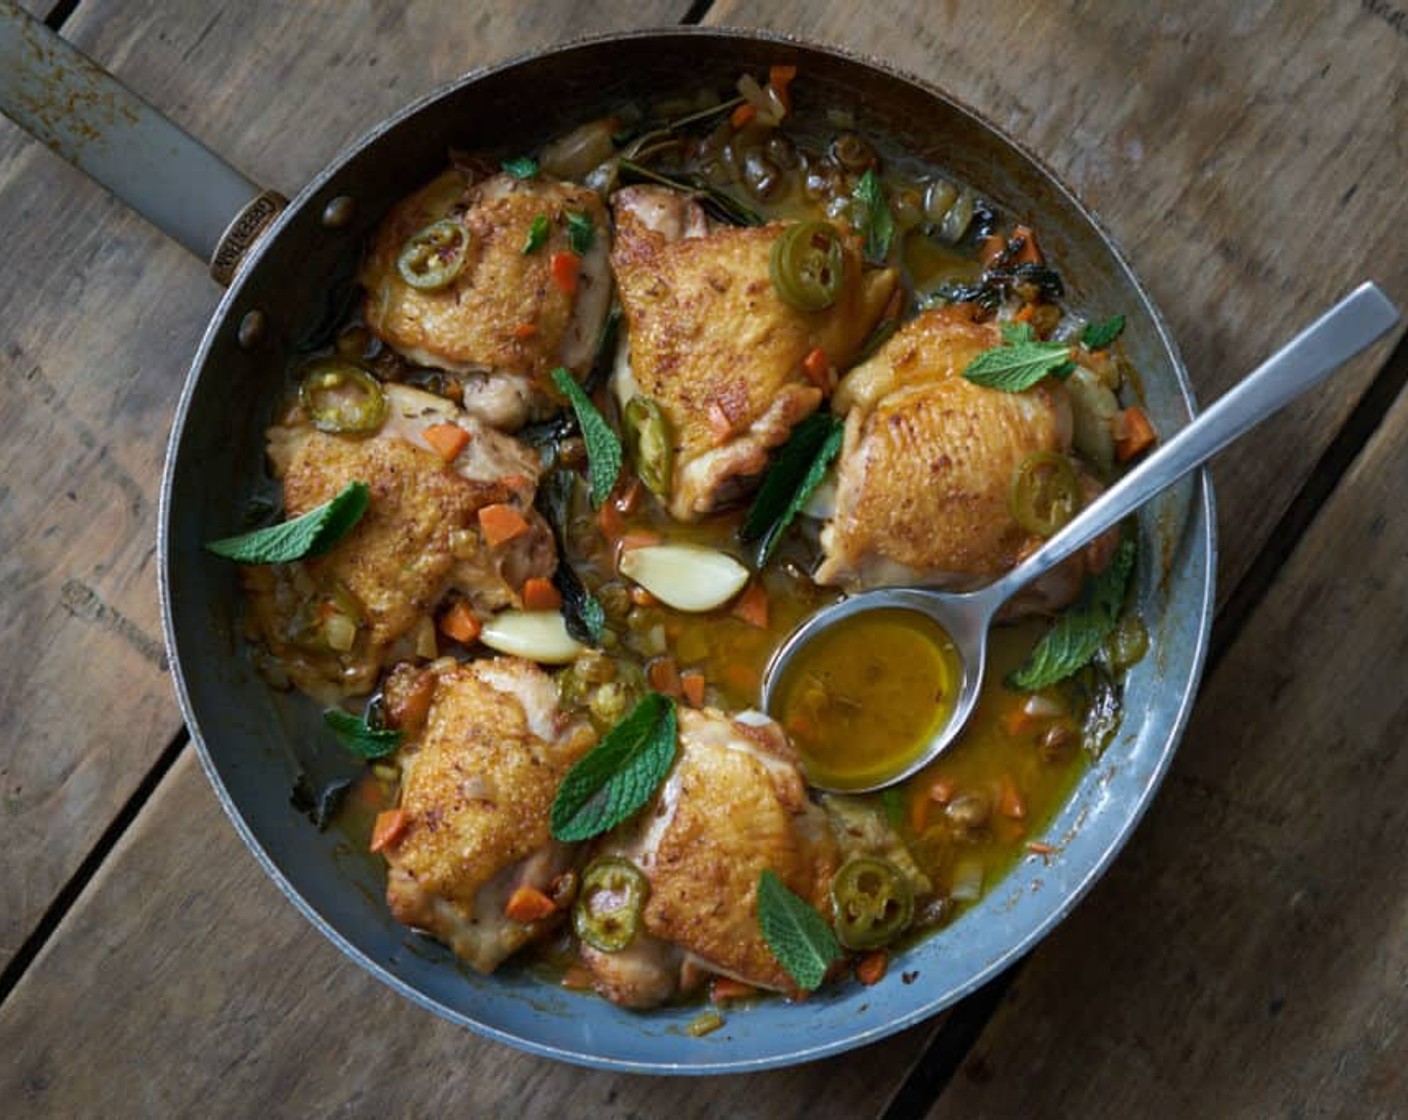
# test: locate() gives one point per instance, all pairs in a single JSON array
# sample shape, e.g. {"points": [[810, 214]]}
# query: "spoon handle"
{"points": [[1339, 334]]}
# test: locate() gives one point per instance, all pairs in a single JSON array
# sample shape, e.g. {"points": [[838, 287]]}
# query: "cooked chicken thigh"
{"points": [[419, 540], [734, 804], [479, 772], [714, 346], [924, 480], [505, 320]]}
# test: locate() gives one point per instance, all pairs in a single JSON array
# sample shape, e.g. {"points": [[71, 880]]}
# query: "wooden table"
{"points": [[1247, 955]]}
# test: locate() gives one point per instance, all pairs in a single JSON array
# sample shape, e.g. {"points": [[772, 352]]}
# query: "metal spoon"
{"points": [[1339, 334]]}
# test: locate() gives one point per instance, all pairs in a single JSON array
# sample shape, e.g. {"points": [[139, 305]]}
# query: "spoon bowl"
{"points": [[1339, 334]]}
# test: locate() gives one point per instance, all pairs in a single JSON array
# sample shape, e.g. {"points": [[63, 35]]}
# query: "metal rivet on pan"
{"points": [[339, 211], [251, 332]]}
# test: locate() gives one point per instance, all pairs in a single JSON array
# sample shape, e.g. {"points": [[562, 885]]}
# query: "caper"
{"points": [[760, 175], [823, 180], [1055, 742], [781, 151], [968, 811], [853, 153]]}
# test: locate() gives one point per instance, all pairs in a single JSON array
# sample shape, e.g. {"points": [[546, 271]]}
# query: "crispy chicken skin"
{"points": [[479, 324], [925, 473], [479, 773], [712, 344], [418, 540], [734, 803]]}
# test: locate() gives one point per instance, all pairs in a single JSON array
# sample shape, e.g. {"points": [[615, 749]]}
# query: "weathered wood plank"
{"points": [[1248, 955], [1232, 149], [183, 982], [98, 317]]}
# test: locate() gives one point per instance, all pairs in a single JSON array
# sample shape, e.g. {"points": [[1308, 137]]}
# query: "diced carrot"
{"points": [[818, 369], [577, 978], [447, 439], [628, 497], [1024, 313], [411, 705], [525, 330], [518, 484], [871, 968], [540, 595], [566, 267], [389, 827], [1030, 252], [1018, 721], [780, 78], [752, 605], [528, 904], [990, 247], [743, 114], [664, 676], [919, 813], [639, 538], [501, 523], [692, 683], [460, 623], [725, 988], [610, 521], [1009, 799], [1037, 847], [1134, 433]]}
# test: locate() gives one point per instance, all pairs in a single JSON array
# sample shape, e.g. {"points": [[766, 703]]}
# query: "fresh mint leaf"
{"points": [[521, 167], [354, 734], [1018, 366], [872, 216], [1082, 628], [604, 456], [798, 936], [619, 775], [581, 233], [1014, 334], [1097, 336], [537, 235], [793, 475], [312, 534]]}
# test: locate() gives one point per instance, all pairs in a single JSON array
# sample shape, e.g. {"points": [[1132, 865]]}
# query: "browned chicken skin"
{"points": [[503, 320], [479, 773], [925, 474], [715, 347], [418, 540], [734, 804]]}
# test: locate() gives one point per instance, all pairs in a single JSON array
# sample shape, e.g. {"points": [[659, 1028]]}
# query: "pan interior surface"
{"points": [[256, 743]]}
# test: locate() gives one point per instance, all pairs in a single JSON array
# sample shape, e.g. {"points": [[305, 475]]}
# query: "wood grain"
{"points": [[1232, 150], [184, 983], [1248, 954], [98, 317]]}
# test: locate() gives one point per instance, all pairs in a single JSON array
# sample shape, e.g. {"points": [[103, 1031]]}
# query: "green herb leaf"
{"points": [[1018, 366], [521, 167], [893, 801], [873, 217], [1097, 336], [581, 233], [619, 775], [604, 455], [791, 479], [1081, 629], [309, 535], [537, 235], [1014, 334], [354, 734], [798, 936]]}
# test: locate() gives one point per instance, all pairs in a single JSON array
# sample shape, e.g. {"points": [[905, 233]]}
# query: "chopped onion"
{"points": [[537, 635], [687, 577], [958, 218], [1043, 706], [967, 881], [427, 645], [340, 631], [749, 88], [1093, 412], [751, 717], [573, 156]]}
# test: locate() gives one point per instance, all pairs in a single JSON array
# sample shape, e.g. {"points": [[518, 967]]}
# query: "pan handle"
{"points": [[65, 99]]}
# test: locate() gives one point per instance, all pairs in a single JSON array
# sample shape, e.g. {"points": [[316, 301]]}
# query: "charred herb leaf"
{"points": [[1082, 629], [581, 233], [537, 235], [619, 775], [581, 611], [798, 936], [1097, 336], [309, 535], [1103, 713], [791, 479], [873, 217], [521, 167], [320, 804], [604, 456], [363, 740]]}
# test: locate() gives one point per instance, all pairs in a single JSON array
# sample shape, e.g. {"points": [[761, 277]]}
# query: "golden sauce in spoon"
{"points": [[866, 696]]}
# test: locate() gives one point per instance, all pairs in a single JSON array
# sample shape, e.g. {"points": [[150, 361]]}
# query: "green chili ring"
{"points": [[651, 446], [808, 265], [871, 901], [607, 914], [1045, 493], [341, 397], [433, 257]]}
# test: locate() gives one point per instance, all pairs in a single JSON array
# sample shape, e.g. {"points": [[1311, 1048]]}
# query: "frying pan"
{"points": [[288, 267]]}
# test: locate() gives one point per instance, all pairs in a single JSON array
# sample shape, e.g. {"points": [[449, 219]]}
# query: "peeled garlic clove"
{"points": [[687, 577], [537, 635]]}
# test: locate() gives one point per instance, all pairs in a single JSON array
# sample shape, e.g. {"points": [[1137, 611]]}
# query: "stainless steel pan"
{"points": [[287, 266]]}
